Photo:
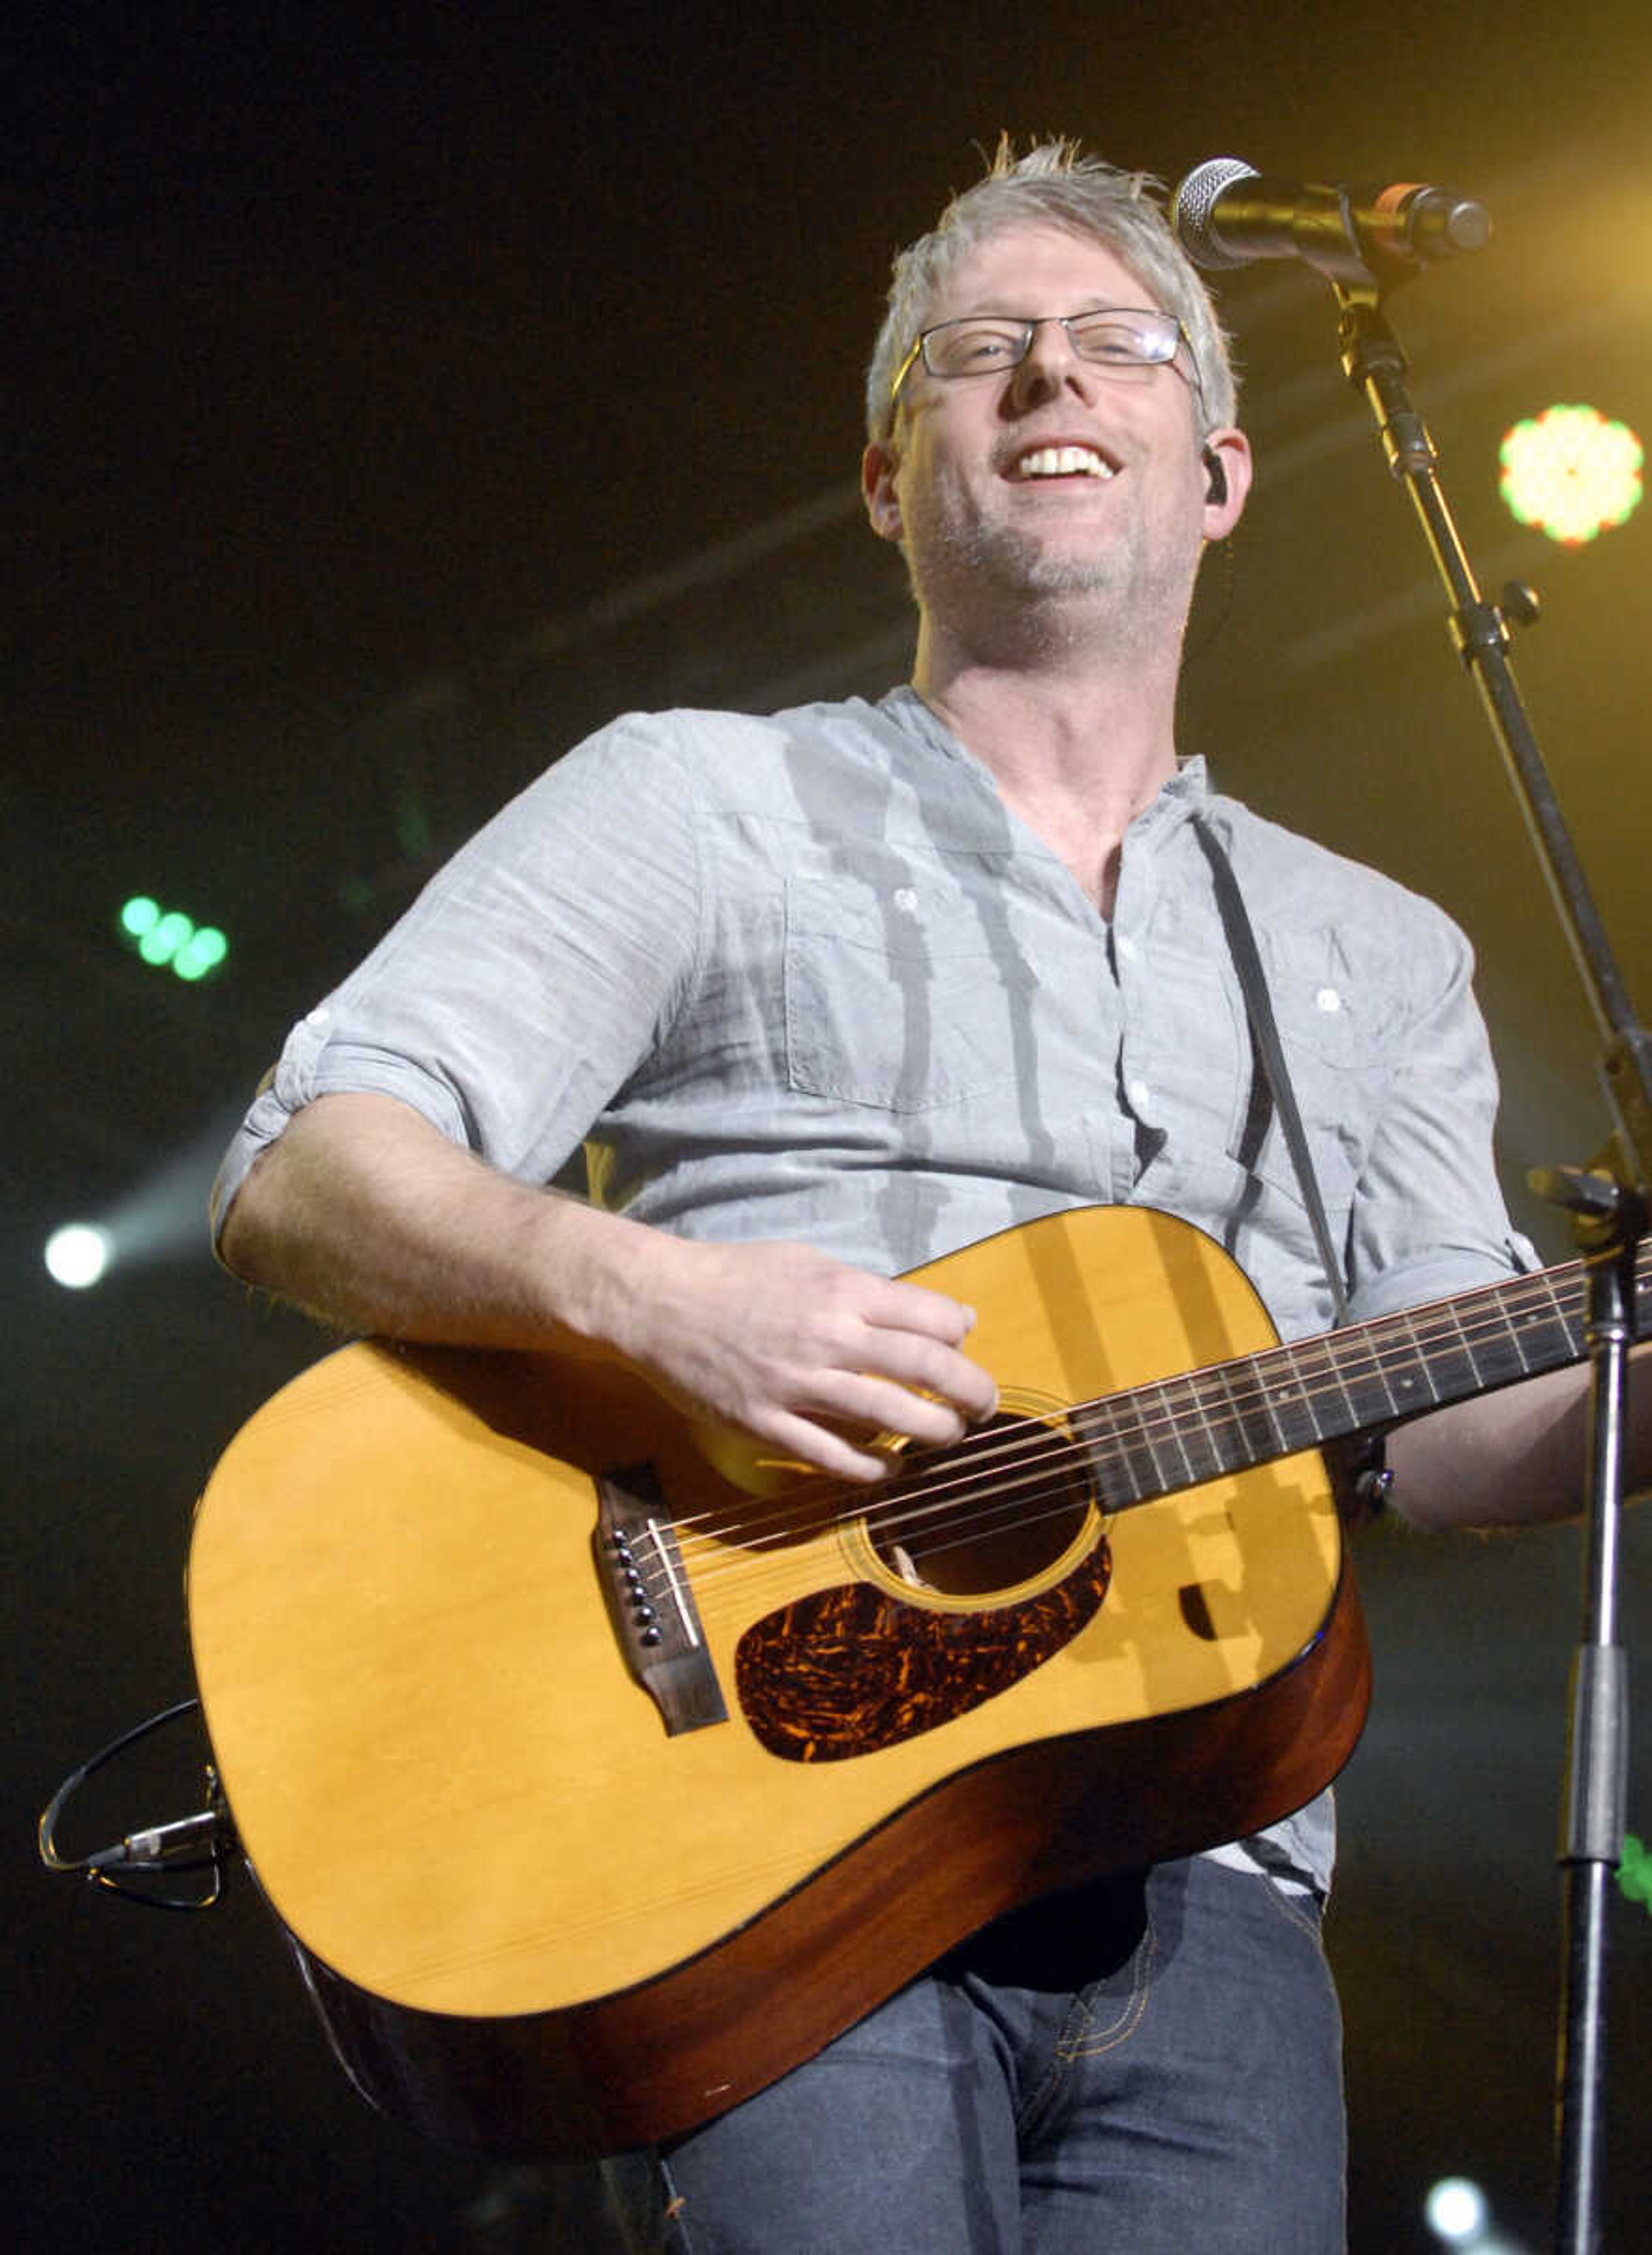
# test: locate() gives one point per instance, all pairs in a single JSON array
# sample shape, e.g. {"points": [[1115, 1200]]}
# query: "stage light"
{"points": [[1458, 2215], [1456, 2211], [161, 1218], [168, 936], [78, 1254], [1571, 472], [1635, 1871]]}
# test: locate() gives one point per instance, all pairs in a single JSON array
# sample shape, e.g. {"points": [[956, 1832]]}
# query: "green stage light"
{"points": [[165, 937], [1634, 1872], [202, 951], [1571, 472], [168, 936]]}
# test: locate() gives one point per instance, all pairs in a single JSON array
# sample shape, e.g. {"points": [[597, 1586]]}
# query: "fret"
{"points": [[1349, 1418], [1520, 1342], [1250, 1416], [1169, 1444], [1121, 1460], [1515, 1342], [1456, 1366], [1554, 1322], [1500, 1353], [1367, 1371], [1406, 1369], [1188, 1446], [1136, 1442], [1207, 1443], [1295, 1407], [1362, 1393]]}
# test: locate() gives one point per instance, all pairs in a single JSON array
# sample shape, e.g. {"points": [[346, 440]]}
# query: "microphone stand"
{"points": [[1607, 1204]]}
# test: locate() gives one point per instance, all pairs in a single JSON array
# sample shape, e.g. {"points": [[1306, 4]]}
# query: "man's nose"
{"points": [[1050, 363]]}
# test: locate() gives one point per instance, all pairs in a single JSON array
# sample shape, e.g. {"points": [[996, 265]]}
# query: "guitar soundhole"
{"points": [[848, 1670], [998, 1509]]}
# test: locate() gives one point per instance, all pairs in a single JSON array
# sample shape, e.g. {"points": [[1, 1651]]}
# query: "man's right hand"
{"points": [[810, 1356]]}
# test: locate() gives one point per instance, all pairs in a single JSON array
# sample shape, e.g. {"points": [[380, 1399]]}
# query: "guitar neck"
{"points": [[1231, 1416]]}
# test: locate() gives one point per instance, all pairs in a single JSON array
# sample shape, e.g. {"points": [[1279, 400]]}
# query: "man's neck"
{"points": [[1078, 747]]}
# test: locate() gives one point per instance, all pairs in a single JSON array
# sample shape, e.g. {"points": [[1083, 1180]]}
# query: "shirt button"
{"points": [[906, 901], [1126, 946], [1328, 999], [1140, 1094]]}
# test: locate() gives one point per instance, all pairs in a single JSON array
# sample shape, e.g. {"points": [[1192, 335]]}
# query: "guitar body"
{"points": [[538, 1911]]}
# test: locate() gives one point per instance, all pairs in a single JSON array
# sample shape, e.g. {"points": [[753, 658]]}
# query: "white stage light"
{"points": [[1457, 2212], [77, 1254]]}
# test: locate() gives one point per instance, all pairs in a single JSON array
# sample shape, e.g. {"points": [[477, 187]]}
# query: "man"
{"points": [[828, 995]]}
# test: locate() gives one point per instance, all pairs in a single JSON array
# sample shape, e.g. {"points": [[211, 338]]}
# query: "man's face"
{"points": [[1052, 485]]}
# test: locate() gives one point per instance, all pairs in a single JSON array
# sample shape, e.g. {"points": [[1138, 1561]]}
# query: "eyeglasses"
{"points": [[1126, 342]]}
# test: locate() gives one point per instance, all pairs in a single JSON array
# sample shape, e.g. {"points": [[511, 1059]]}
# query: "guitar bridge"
{"points": [[649, 1602]]}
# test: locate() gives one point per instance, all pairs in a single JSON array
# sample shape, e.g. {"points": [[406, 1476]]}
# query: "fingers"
{"points": [[821, 1428], [889, 1380], [808, 1354], [930, 1369], [919, 1335], [804, 1442]]}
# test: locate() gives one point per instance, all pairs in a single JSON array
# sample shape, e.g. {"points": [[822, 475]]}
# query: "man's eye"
{"points": [[982, 348], [1110, 343]]}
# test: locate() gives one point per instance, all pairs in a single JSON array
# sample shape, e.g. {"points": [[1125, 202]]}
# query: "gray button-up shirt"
{"points": [[806, 977]]}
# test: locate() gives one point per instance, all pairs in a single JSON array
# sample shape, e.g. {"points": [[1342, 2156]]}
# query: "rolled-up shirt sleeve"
{"points": [[523, 985], [1428, 1217]]}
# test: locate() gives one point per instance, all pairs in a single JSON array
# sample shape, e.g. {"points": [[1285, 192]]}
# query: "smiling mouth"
{"points": [[1062, 462]]}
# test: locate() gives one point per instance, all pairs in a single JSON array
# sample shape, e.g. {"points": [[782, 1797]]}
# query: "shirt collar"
{"points": [[1186, 794]]}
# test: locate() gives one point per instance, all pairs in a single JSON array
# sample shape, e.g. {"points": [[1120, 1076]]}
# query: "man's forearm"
{"points": [[368, 1218], [1514, 1456]]}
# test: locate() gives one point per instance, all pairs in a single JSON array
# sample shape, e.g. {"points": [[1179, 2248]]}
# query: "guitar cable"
{"points": [[200, 1843]]}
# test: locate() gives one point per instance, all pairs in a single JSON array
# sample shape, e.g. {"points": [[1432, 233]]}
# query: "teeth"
{"points": [[1064, 463]]}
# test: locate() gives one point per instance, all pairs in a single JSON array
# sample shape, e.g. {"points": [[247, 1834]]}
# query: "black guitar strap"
{"points": [[1270, 1076]]}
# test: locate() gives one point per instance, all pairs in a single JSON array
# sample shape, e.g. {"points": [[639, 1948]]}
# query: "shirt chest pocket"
{"points": [[1326, 1008], [896, 997], [1340, 1033]]}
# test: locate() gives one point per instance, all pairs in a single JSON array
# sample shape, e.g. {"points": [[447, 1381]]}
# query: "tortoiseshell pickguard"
{"points": [[851, 1670]]}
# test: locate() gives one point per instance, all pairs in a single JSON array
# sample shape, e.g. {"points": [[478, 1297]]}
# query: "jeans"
{"points": [[1150, 2065]]}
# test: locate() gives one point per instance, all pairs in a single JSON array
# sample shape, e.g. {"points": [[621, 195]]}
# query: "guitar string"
{"points": [[947, 1480], [1046, 1469], [1233, 1407], [1190, 1406]]}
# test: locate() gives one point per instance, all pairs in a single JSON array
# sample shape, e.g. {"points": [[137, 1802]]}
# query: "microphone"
{"points": [[1225, 213]]}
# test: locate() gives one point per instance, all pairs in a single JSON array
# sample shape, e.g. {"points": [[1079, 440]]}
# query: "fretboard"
{"points": [[1228, 1417]]}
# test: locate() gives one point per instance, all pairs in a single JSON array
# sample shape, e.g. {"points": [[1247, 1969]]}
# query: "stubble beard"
{"points": [[1001, 586]]}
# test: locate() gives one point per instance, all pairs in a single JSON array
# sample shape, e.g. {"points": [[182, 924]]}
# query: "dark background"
{"points": [[392, 397]]}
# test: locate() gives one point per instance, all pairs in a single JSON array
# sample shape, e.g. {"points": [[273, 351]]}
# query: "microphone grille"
{"points": [[1193, 207]]}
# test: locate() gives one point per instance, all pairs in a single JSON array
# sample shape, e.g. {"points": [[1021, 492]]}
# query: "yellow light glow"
{"points": [[1571, 472]]}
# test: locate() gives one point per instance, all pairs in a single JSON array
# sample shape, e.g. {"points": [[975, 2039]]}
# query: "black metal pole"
{"points": [[1614, 1212]]}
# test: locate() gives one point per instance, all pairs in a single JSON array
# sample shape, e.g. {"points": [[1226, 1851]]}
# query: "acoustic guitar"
{"points": [[598, 1772]]}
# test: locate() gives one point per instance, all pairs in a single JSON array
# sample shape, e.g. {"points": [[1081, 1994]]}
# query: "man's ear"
{"points": [[879, 466], [1225, 456]]}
